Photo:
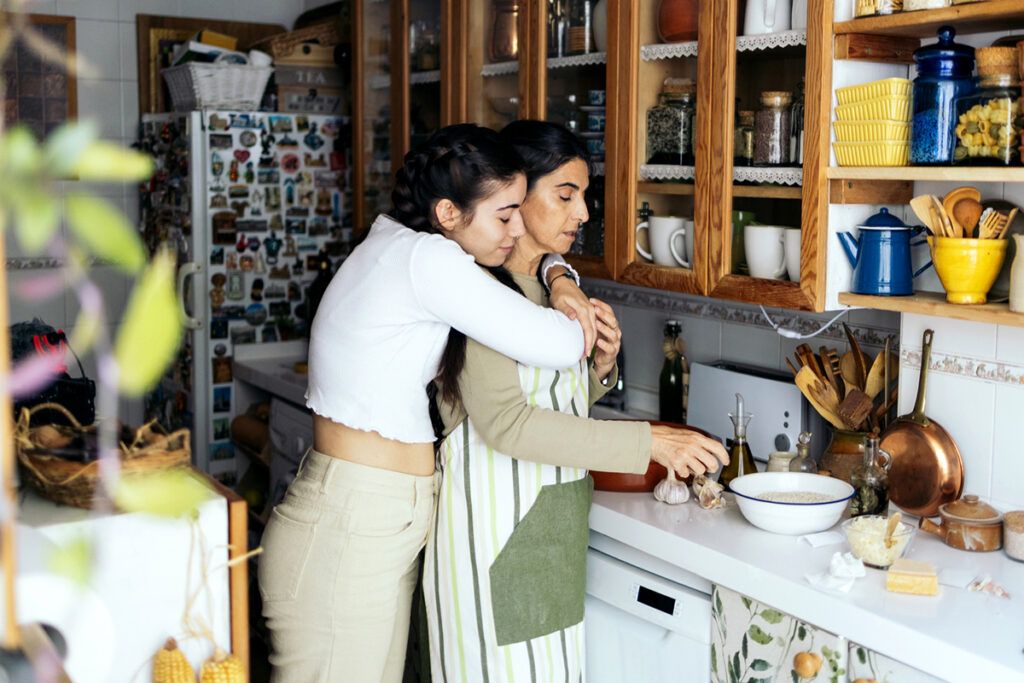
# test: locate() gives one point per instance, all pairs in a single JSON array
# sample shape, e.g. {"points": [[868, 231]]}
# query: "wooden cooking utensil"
{"points": [[885, 352], [967, 212], [848, 369], [855, 409], [894, 521], [832, 372], [1001, 232], [807, 358], [875, 381], [947, 226], [858, 357], [922, 206], [927, 469], [805, 380], [792, 368]]}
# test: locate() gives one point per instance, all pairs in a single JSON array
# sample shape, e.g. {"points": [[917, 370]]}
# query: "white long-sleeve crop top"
{"points": [[383, 323]]}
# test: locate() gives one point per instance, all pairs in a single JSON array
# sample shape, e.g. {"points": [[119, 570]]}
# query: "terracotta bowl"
{"points": [[636, 483]]}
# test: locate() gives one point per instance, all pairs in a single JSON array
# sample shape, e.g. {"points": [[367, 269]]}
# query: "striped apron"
{"points": [[505, 569]]}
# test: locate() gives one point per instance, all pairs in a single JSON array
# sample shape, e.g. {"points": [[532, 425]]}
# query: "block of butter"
{"points": [[912, 576]]}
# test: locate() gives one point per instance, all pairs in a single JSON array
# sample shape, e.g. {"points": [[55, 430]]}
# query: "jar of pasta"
{"points": [[988, 129]]}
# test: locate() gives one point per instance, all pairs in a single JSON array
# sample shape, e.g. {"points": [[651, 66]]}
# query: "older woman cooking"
{"points": [[505, 569]]}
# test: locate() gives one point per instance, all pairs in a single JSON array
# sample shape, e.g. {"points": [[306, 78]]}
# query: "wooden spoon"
{"points": [[922, 206], [805, 380], [890, 527], [967, 211], [875, 381], [848, 369]]}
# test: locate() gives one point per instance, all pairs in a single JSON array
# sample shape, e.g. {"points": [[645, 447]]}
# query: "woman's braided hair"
{"points": [[463, 163]]}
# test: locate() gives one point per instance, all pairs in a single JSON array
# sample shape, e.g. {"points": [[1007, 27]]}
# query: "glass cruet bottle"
{"points": [[803, 462], [673, 384], [741, 460], [870, 480]]}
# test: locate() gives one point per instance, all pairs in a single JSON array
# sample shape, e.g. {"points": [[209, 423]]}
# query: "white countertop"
{"points": [[274, 374], [958, 635]]}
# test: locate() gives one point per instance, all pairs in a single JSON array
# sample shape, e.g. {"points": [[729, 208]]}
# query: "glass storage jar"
{"points": [[670, 127], [796, 122], [868, 8], [944, 73], [772, 129], [988, 131], [743, 142]]}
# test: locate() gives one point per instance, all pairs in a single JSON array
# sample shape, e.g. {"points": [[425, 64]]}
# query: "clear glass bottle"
{"points": [[944, 73], [796, 127], [581, 36], [772, 129], [741, 460], [670, 126], [870, 481], [988, 130], [744, 140], [673, 384], [803, 462]]}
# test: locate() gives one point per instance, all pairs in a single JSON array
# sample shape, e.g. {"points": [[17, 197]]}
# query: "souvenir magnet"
{"points": [[222, 399], [255, 314], [221, 141], [247, 263], [256, 292], [220, 349], [218, 122], [248, 138], [272, 245], [313, 140], [290, 163], [236, 281], [250, 175], [241, 243], [217, 256], [241, 155], [221, 370], [301, 123]]}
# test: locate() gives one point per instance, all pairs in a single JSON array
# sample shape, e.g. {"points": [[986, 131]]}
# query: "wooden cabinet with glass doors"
{"points": [[752, 110], [397, 93]]}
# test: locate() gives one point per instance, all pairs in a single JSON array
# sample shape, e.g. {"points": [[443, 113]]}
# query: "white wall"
{"points": [[105, 32]]}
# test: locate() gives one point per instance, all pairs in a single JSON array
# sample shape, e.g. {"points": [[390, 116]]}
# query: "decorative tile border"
{"points": [[997, 372], [33, 263], [726, 311]]}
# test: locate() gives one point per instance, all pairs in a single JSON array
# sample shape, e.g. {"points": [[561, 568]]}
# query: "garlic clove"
{"points": [[671, 491]]}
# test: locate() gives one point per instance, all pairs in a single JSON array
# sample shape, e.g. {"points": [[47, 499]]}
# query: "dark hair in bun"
{"points": [[462, 163], [543, 146]]}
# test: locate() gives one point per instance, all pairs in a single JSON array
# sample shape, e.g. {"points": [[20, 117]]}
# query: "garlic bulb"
{"points": [[709, 493], [672, 491]]}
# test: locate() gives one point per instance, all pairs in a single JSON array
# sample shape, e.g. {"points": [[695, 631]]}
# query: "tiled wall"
{"points": [[105, 32], [975, 389], [720, 330]]}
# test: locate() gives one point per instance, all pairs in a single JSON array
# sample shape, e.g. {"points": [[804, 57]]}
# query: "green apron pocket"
{"points": [[538, 579]]}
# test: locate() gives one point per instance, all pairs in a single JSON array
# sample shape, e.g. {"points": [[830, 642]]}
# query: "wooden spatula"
{"points": [[805, 380], [832, 371]]}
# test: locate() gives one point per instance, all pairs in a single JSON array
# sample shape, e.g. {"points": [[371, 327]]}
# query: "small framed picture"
{"points": [[222, 399], [221, 428]]}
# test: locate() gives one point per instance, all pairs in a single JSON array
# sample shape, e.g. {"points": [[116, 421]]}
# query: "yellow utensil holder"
{"points": [[967, 268]]}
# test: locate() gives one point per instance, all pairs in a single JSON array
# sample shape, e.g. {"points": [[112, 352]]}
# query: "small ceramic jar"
{"points": [[1013, 534], [779, 461], [968, 524]]}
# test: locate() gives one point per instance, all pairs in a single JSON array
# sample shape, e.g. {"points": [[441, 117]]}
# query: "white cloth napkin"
{"points": [[843, 570], [823, 538]]}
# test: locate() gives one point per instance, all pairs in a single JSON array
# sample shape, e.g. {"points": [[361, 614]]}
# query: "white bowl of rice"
{"points": [[792, 503]]}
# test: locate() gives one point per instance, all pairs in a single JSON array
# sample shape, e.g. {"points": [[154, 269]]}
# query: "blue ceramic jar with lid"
{"points": [[945, 71]]}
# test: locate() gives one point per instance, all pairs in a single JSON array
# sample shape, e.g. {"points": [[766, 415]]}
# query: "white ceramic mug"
{"points": [[766, 16], [766, 251], [689, 242], [667, 237], [798, 21], [793, 253]]}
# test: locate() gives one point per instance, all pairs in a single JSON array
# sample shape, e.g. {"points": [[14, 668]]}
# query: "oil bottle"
{"points": [[741, 460]]}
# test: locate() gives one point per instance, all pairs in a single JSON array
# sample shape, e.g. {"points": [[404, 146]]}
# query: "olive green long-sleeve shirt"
{"points": [[492, 396]]}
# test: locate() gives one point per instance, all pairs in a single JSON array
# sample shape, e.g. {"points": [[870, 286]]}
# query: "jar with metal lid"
{"points": [[988, 131], [772, 129], [944, 73], [670, 127], [743, 142]]}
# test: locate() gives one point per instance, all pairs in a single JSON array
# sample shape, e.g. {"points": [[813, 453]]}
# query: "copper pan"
{"points": [[927, 470]]}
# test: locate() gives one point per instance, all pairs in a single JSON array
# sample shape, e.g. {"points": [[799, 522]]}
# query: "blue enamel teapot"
{"points": [[881, 256]]}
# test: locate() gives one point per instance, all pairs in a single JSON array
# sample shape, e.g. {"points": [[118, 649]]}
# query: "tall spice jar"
{"points": [[772, 129], [743, 142], [670, 124], [944, 73]]}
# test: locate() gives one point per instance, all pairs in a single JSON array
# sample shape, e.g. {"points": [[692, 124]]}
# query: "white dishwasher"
{"points": [[646, 621]]}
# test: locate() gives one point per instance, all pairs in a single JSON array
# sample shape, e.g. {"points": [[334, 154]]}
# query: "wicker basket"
{"points": [[282, 45], [216, 86], [74, 483]]}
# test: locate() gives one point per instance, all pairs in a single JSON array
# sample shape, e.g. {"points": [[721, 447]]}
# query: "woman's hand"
{"points": [[686, 452], [567, 297], [609, 338]]}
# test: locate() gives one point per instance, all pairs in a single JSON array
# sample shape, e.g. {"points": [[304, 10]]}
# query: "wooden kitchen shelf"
{"points": [[978, 17], [935, 304], [956, 174], [755, 191]]}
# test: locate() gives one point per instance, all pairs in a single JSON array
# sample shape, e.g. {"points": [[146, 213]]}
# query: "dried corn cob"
{"points": [[222, 668], [171, 666]]}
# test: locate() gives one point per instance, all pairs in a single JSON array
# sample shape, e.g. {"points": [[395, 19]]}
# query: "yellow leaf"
{"points": [[19, 152], [149, 336], [73, 560], [65, 146], [168, 493], [35, 218], [107, 161], [101, 227]]}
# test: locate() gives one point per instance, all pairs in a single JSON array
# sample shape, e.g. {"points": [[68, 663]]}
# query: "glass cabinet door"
{"points": [[424, 89], [572, 92], [374, 80], [496, 35]]}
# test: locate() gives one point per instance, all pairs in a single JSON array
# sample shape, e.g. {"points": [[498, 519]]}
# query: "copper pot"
{"points": [[967, 524], [504, 46], [677, 20]]}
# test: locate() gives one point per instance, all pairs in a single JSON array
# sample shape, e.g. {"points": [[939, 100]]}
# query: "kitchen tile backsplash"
{"points": [[716, 330], [976, 391]]}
